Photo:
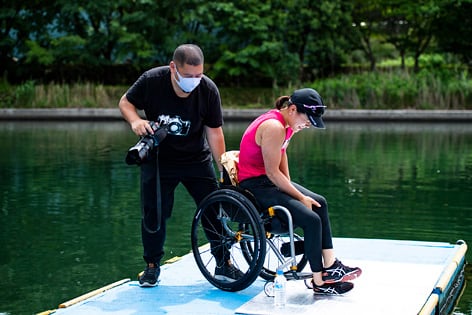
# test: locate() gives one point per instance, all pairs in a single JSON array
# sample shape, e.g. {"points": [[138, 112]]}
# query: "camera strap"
{"points": [[158, 201]]}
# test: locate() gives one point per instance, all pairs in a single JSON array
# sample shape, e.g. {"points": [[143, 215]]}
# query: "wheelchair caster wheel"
{"points": [[269, 288]]}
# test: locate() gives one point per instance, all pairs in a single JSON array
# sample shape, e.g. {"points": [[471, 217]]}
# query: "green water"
{"points": [[69, 205]]}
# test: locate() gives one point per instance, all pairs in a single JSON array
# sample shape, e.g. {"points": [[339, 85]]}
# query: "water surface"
{"points": [[69, 205]]}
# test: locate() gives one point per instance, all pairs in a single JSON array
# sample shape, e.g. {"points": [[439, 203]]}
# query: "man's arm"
{"points": [[216, 141], [129, 112]]}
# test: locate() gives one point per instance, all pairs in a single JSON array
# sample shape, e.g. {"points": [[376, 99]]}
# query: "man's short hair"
{"points": [[188, 54]]}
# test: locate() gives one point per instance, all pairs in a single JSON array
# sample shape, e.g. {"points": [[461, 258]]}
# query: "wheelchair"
{"points": [[230, 224]]}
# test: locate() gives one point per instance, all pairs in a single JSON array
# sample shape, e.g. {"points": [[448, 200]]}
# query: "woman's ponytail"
{"points": [[282, 102]]}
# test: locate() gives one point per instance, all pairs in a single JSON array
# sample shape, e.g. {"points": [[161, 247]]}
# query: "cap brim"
{"points": [[316, 121]]}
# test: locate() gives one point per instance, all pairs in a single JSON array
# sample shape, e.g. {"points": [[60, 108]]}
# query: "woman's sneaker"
{"points": [[332, 288], [340, 273], [228, 272], [148, 278]]}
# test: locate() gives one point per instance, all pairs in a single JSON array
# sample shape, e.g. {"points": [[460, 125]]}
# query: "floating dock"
{"points": [[399, 277]]}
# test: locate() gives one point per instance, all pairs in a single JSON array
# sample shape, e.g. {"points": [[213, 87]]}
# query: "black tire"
{"points": [[230, 209]]}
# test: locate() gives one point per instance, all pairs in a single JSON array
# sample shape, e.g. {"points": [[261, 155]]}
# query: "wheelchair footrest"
{"points": [[298, 275], [299, 248]]}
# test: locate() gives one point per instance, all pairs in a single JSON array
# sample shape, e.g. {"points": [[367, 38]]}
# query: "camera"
{"points": [[139, 153], [174, 125]]}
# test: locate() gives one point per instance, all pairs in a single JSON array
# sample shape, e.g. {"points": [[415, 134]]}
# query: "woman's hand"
{"points": [[310, 202]]}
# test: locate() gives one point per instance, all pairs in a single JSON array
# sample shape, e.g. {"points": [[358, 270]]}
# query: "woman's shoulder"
{"points": [[267, 121], [274, 118], [272, 125]]}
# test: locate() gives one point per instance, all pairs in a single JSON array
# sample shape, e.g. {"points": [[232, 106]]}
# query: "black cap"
{"points": [[308, 101]]}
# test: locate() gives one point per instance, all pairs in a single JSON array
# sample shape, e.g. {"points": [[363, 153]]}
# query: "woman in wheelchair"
{"points": [[263, 170]]}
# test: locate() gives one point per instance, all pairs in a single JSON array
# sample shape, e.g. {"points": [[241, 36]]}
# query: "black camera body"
{"points": [[139, 153], [174, 125]]}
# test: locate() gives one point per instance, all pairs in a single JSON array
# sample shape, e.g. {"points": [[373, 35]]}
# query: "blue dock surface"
{"points": [[399, 277]]}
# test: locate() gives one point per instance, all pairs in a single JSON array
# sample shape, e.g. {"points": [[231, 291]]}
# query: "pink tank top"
{"points": [[251, 163]]}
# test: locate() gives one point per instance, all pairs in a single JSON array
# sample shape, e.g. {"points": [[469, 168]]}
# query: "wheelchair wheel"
{"points": [[274, 257], [228, 221]]}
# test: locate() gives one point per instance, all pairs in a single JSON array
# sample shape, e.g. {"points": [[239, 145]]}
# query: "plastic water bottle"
{"points": [[280, 289]]}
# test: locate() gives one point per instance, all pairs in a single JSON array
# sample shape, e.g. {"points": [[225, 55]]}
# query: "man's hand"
{"points": [[141, 127]]}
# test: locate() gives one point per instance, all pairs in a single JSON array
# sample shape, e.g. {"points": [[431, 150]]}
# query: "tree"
{"points": [[22, 21], [247, 41], [366, 17], [315, 32], [409, 26], [453, 31], [80, 40]]}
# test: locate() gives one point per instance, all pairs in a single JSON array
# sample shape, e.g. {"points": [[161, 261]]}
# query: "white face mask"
{"points": [[187, 84]]}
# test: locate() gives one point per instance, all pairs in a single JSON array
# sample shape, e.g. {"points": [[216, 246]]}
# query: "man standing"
{"points": [[185, 101]]}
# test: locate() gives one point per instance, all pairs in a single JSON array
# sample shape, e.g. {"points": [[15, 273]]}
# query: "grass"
{"points": [[398, 90], [429, 89]]}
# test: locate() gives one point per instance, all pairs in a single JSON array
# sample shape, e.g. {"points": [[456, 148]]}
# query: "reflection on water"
{"points": [[69, 205]]}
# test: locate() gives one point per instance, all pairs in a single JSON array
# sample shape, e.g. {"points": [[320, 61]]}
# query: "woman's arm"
{"points": [[284, 165], [271, 136]]}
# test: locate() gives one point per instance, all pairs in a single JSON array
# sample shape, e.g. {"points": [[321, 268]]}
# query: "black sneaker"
{"points": [[340, 273], [148, 278], [332, 288], [228, 273]]}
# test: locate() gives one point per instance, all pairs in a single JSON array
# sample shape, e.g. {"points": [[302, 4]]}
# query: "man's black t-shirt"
{"points": [[185, 143]]}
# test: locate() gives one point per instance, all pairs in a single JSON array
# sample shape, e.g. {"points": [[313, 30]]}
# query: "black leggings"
{"points": [[314, 222]]}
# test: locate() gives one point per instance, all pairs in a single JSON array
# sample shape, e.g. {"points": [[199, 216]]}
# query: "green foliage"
{"points": [[38, 54], [398, 90], [7, 97], [250, 39], [441, 89], [25, 94], [70, 49], [431, 61], [453, 32], [396, 63], [246, 43]]}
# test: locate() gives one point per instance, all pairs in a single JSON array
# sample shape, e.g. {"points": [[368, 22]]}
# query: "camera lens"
{"points": [[174, 128]]}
